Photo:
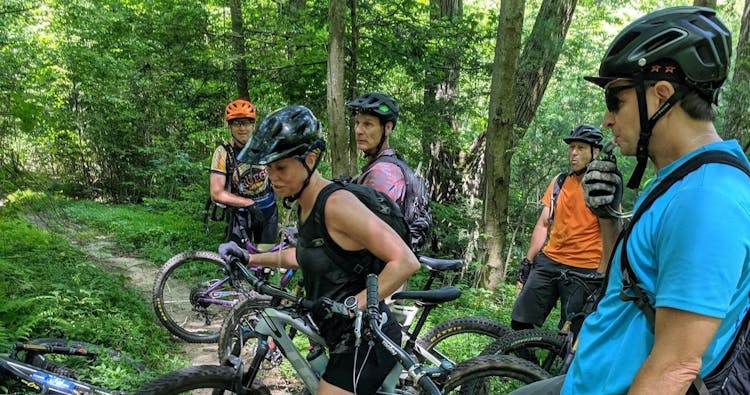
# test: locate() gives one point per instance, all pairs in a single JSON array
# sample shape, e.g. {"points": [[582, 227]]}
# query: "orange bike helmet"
{"points": [[239, 108]]}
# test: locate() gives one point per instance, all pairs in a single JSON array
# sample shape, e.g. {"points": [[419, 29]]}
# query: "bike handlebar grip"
{"points": [[428, 385], [372, 294]]}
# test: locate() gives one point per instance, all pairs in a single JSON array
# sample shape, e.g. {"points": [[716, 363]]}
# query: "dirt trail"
{"points": [[104, 252], [141, 274]]}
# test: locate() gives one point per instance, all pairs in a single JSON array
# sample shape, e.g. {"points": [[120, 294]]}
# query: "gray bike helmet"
{"points": [[290, 132], [587, 134], [378, 104], [687, 45]]}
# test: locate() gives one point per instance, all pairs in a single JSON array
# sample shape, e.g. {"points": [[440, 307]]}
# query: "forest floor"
{"points": [[140, 273]]}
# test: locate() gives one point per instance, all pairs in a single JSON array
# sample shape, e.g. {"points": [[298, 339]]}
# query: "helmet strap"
{"points": [[374, 153], [647, 126], [287, 201]]}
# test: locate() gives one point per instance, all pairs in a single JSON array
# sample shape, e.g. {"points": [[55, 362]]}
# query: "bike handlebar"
{"points": [[373, 314], [264, 287]]}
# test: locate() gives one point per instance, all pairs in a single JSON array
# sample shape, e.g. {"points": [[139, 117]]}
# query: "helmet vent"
{"points": [[669, 37]]}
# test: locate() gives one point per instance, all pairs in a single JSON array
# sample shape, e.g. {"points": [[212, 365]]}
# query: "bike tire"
{"points": [[544, 348], [461, 338], [176, 287], [242, 317], [491, 375], [200, 379]]}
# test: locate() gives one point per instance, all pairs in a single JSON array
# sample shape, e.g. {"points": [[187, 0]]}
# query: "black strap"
{"points": [[356, 267], [629, 279], [233, 176], [559, 181]]}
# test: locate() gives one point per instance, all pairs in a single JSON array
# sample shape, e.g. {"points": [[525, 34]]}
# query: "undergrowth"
{"points": [[48, 288]]}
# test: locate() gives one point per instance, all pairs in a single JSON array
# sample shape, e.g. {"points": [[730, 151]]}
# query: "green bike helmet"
{"points": [[290, 132]]}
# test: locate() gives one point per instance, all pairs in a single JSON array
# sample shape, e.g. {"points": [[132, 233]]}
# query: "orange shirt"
{"points": [[574, 237]]}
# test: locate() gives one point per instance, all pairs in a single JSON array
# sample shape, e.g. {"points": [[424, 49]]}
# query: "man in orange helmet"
{"points": [[242, 185]]}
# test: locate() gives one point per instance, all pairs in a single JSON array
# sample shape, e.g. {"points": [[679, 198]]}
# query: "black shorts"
{"points": [[378, 363], [542, 289]]}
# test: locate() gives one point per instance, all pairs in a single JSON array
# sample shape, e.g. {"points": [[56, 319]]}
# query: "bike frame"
{"points": [[44, 381], [211, 296]]}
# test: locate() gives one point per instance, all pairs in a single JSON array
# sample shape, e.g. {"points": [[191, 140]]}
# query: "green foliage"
{"points": [[450, 228], [145, 229], [49, 289]]}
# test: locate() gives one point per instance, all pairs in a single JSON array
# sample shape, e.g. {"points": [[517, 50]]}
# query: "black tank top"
{"points": [[323, 261]]}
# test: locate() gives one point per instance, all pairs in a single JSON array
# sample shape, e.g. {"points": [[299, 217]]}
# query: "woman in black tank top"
{"points": [[336, 233]]}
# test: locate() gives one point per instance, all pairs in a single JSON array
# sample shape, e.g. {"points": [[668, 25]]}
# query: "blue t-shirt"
{"points": [[690, 251]]}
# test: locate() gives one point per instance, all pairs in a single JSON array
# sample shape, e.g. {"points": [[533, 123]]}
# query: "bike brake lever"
{"points": [[607, 152], [357, 328]]}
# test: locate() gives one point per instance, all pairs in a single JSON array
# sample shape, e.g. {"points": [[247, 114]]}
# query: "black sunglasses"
{"points": [[611, 96]]}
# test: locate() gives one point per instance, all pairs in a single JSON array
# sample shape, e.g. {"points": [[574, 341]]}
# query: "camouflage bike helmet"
{"points": [[290, 132], [380, 105], [692, 38]]}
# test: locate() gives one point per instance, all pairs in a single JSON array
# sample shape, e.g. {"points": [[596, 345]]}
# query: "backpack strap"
{"points": [[559, 181], [355, 268], [629, 278], [233, 177]]}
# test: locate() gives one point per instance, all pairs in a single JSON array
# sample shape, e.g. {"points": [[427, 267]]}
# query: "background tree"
{"points": [[338, 133], [441, 96], [238, 47], [738, 93], [540, 54], [499, 131]]}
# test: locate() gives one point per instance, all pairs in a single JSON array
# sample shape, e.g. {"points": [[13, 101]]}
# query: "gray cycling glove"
{"points": [[602, 188]]}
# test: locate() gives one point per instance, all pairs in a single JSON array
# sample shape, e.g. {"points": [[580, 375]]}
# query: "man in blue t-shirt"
{"points": [[690, 251]]}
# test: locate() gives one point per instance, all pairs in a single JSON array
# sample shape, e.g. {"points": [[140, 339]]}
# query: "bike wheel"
{"points": [[543, 348], [192, 296], [235, 337], [202, 379], [461, 338], [491, 375]]}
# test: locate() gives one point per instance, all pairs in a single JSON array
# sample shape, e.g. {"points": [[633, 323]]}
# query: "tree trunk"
{"points": [[238, 48], [737, 117], [499, 132], [705, 3], [339, 133], [441, 94], [353, 75], [540, 54]]}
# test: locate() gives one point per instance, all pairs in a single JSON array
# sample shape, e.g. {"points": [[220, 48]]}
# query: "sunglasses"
{"points": [[611, 96], [242, 122]]}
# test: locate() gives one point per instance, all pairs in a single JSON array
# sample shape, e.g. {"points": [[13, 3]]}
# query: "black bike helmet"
{"points": [[686, 45], [587, 134], [378, 104], [692, 37], [290, 132]]}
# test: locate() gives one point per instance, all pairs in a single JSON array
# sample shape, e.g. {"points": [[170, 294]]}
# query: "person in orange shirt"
{"points": [[575, 243]]}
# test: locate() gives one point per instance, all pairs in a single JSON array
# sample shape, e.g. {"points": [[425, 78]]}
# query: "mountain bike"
{"points": [[192, 294], [55, 366], [552, 351], [480, 375], [447, 342]]}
